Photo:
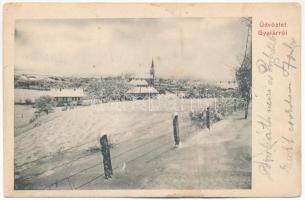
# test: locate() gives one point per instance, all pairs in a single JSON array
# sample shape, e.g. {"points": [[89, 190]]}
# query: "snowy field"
{"points": [[63, 152]]}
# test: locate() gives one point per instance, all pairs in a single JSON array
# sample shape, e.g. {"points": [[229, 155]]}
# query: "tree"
{"points": [[244, 81], [45, 104], [243, 74], [108, 89]]}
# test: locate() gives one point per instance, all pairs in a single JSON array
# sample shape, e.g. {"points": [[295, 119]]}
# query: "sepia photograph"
{"points": [[133, 103]]}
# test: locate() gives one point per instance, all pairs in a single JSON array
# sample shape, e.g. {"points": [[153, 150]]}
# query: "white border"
{"points": [[153, 1]]}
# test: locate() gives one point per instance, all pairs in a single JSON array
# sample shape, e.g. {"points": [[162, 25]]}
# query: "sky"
{"points": [[200, 48]]}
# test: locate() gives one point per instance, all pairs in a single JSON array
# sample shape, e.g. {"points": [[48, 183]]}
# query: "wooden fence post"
{"points": [[203, 122], [176, 129], [208, 117], [106, 156]]}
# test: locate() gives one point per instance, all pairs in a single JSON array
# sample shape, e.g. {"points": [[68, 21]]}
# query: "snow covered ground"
{"points": [[62, 153], [215, 159]]}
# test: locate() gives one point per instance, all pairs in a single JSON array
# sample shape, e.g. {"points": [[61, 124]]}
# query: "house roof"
{"points": [[143, 76], [35, 78], [142, 90], [67, 93], [138, 82]]}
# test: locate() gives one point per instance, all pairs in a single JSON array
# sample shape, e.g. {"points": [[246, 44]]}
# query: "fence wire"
{"points": [[163, 141]]}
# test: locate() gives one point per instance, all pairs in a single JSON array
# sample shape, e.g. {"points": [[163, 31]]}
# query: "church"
{"points": [[142, 86]]}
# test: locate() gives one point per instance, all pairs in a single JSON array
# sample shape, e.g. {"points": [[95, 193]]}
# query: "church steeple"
{"points": [[152, 71]]}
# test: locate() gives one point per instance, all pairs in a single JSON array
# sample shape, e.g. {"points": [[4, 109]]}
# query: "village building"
{"points": [[142, 86], [67, 96], [29, 81], [61, 96], [227, 88], [138, 82], [140, 92]]}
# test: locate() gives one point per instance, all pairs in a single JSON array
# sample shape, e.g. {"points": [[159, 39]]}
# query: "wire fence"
{"points": [[116, 156], [126, 151]]}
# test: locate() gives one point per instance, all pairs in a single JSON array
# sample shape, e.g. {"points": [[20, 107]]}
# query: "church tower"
{"points": [[152, 72]]}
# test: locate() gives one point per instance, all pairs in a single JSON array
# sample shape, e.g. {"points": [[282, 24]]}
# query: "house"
{"points": [[150, 77], [140, 92], [28, 81], [138, 82], [67, 96], [141, 89], [142, 86], [61, 96], [144, 77]]}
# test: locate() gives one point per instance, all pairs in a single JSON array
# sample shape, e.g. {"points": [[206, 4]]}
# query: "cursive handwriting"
{"points": [[265, 64], [289, 63], [289, 110], [288, 139], [287, 146], [264, 159], [280, 143]]}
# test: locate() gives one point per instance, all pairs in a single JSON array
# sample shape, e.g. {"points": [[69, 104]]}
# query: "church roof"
{"points": [[138, 82], [142, 90], [143, 76]]}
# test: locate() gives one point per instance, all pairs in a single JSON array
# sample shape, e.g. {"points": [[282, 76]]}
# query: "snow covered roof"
{"points": [[143, 76], [138, 82], [142, 90], [35, 78], [67, 93], [22, 77]]}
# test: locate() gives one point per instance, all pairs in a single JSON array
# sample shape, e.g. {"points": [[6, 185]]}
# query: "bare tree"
{"points": [[45, 104], [244, 72]]}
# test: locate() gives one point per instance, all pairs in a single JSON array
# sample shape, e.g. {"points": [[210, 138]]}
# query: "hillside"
{"points": [[63, 152]]}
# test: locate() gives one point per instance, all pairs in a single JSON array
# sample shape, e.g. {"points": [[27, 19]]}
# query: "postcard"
{"points": [[152, 100]]}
